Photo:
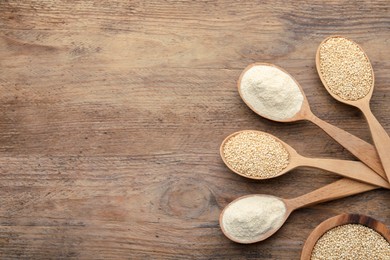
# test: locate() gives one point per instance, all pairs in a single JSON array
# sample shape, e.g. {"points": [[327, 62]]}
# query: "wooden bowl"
{"points": [[339, 221]]}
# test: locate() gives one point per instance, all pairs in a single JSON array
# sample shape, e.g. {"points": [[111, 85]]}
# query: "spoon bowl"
{"points": [[359, 102], [299, 115], [267, 225], [290, 151]]}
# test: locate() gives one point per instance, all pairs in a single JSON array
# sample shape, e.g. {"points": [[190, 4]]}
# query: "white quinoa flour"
{"points": [[271, 92], [251, 217]]}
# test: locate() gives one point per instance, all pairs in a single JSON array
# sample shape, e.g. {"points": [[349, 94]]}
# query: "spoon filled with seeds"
{"points": [[259, 155], [347, 75], [274, 94]]}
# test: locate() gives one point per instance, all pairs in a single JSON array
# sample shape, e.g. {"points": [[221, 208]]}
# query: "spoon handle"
{"points": [[351, 169], [364, 151], [381, 139], [338, 189]]}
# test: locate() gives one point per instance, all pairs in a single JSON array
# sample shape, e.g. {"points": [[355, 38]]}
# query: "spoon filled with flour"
{"points": [[271, 92], [254, 218], [274, 94], [259, 155]]}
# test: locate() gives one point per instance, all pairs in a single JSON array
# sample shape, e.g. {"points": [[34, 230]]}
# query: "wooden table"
{"points": [[112, 113]]}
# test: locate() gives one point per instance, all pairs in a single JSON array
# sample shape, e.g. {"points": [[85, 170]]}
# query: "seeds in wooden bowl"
{"points": [[351, 242], [345, 68], [255, 154]]}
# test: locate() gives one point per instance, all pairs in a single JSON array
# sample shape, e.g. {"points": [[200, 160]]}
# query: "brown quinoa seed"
{"points": [[255, 154], [345, 68], [351, 242]]}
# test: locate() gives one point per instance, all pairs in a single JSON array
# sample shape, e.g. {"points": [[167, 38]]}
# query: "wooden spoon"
{"points": [[338, 189], [340, 220], [361, 149], [380, 137], [351, 169]]}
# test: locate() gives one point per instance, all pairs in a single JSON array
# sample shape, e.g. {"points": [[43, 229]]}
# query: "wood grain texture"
{"points": [[112, 113]]}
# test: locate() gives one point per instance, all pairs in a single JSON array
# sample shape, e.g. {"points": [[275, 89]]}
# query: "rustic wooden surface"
{"points": [[112, 113]]}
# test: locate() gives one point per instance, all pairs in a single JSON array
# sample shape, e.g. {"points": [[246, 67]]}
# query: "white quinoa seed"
{"points": [[256, 154], [345, 68], [351, 242]]}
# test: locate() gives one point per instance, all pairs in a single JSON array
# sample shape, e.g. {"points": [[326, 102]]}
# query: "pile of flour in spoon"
{"points": [[271, 92], [248, 219]]}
